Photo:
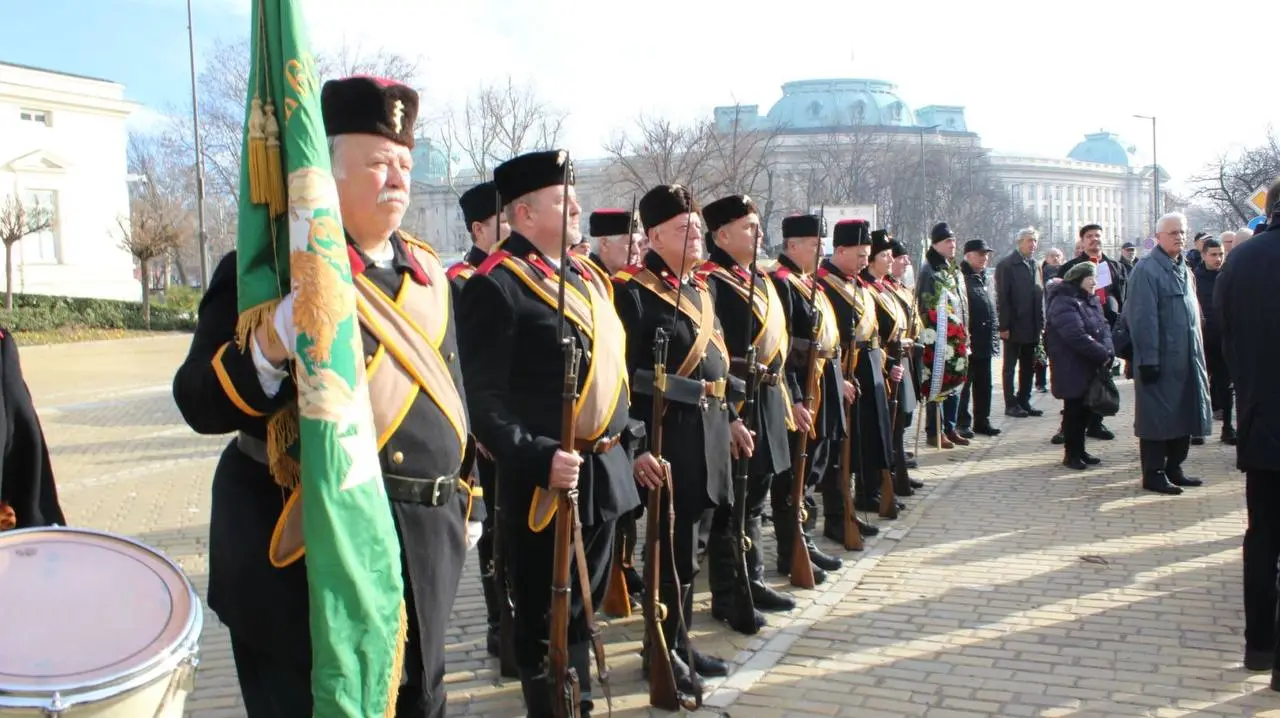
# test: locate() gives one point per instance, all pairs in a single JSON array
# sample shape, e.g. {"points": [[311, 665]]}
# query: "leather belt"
{"points": [[871, 345], [428, 492], [764, 377], [800, 349], [600, 446], [690, 391]]}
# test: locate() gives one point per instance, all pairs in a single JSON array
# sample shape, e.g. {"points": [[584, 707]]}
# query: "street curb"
{"points": [[95, 342]]}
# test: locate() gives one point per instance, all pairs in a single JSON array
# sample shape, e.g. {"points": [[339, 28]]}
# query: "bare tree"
{"points": [[1227, 183], [157, 224], [664, 152], [19, 220], [499, 121]]}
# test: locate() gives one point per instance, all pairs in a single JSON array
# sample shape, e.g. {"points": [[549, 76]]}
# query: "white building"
{"points": [[1098, 183], [63, 147]]}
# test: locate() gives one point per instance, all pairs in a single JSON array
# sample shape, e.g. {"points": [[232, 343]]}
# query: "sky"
{"points": [[1033, 77]]}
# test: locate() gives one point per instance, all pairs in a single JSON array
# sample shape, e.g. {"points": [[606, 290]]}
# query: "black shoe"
{"points": [[903, 489], [709, 666], [1258, 660], [822, 560], [1229, 436], [867, 529], [784, 569], [964, 433], [1177, 478], [1159, 483], [986, 430], [1197, 441], [915, 483], [1074, 462], [1090, 459], [1101, 433], [910, 455], [1031, 411], [493, 641], [1016, 412], [767, 599], [912, 464], [1042, 389], [725, 614], [1058, 439]]}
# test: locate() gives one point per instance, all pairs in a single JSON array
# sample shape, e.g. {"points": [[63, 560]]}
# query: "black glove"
{"points": [[1150, 373]]}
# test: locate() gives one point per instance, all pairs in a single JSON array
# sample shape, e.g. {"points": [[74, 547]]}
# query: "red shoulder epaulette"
{"points": [[459, 269], [822, 272], [492, 261], [410, 239], [624, 275], [781, 272]]}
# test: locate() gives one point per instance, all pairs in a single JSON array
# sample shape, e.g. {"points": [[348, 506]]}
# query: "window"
{"points": [[41, 247], [27, 114]]}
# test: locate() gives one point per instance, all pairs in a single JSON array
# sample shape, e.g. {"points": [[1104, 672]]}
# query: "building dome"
{"points": [[819, 104], [1103, 148], [430, 163]]}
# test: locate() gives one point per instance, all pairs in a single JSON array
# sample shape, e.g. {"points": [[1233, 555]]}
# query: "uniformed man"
{"points": [[28, 494], [793, 278], [849, 289], [909, 394], [488, 228], [617, 235], [509, 322], [257, 586], [701, 431], [733, 229]]}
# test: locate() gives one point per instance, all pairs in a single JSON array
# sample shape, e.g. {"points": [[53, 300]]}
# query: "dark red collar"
{"points": [[402, 260]]}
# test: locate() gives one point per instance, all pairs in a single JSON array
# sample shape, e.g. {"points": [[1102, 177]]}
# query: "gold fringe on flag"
{"points": [[282, 432], [275, 198], [397, 666], [251, 318], [258, 159]]}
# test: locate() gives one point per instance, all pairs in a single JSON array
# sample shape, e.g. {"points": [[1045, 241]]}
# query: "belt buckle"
{"points": [[435, 492], [718, 389]]}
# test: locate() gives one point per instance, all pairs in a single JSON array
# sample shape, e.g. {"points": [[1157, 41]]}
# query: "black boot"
{"points": [[1158, 482], [784, 529], [536, 687], [811, 512], [1229, 435], [492, 642], [764, 597], [722, 578], [1177, 478], [627, 534], [820, 559], [705, 664], [686, 682]]}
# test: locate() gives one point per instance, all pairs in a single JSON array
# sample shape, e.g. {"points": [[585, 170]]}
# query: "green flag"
{"points": [[290, 237]]}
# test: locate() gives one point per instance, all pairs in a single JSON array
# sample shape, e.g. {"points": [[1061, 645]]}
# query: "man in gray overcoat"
{"points": [[1172, 391]]}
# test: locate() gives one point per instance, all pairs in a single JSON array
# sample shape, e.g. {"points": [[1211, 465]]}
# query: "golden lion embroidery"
{"points": [[321, 301]]}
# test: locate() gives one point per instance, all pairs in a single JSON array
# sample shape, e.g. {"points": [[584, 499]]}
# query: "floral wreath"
{"points": [[954, 363]]}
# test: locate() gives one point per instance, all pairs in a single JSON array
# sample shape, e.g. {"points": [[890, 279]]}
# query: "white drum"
{"points": [[94, 626]]}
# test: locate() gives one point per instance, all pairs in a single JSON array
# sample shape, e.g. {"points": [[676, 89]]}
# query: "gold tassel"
{"points": [[282, 432], [275, 169], [397, 665], [251, 318], [257, 154]]}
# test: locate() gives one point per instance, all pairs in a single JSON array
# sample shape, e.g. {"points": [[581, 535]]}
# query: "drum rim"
{"points": [[165, 662]]}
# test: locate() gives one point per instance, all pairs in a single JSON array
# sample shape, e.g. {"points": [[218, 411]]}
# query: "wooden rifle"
{"points": [[742, 605], [801, 568], [852, 534], [566, 696], [498, 565], [617, 597], [888, 498], [663, 691]]}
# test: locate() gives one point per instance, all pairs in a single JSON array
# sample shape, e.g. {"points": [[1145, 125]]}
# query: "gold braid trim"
{"points": [[251, 318], [397, 663], [282, 432]]}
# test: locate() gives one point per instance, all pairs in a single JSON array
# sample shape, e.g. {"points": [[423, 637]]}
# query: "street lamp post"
{"points": [[924, 216], [202, 243], [1155, 174]]}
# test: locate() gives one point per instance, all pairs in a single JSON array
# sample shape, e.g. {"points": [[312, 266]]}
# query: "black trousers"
{"points": [[1023, 356], [1261, 551], [1075, 419], [1219, 381], [1163, 455], [950, 409], [978, 387], [530, 570], [1042, 376]]}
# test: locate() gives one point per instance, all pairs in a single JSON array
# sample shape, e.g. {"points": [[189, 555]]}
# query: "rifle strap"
{"points": [[679, 589], [584, 586]]}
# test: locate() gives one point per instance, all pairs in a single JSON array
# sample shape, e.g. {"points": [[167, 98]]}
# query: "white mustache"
{"points": [[393, 195]]}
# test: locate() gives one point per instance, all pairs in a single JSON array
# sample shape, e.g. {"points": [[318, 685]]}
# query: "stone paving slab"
{"points": [[1009, 587]]}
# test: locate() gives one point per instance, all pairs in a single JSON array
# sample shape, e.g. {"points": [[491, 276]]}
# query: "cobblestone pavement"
{"points": [[1009, 587]]}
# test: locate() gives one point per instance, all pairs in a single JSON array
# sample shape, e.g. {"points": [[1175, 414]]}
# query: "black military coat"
{"points": [[772, 449], [217, 390], [830, 420], [695, 437], [873, 438], [28, 495], [484, 468], [515, 377]]}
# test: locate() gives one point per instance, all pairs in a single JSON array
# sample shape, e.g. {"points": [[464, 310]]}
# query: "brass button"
{"points": [[704, 356], [449, 357], [368, 358], [397, 458]]}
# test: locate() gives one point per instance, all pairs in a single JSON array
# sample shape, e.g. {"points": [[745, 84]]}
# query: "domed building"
{"points": [[1099, 181]]}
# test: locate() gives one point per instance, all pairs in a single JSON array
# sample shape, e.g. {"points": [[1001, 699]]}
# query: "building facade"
{"points": [[63, 146], [1097, 183]]}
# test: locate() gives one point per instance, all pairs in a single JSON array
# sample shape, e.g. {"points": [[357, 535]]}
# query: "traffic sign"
{"points": [[1253, 223], [1259, 200]]}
